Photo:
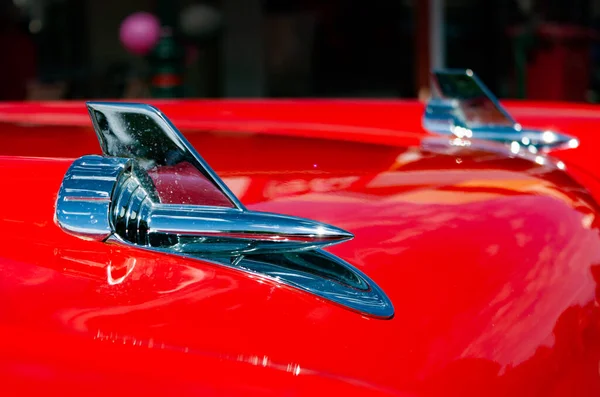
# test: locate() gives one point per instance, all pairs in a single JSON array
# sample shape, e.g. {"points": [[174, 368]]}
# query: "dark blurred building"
{"points": [[279, 48]]}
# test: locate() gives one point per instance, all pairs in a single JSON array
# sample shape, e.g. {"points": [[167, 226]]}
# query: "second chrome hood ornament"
{"points": [[151, 189], [462, 106]]}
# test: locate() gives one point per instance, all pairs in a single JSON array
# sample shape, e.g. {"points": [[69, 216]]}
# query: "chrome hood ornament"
{"points": [[151, 189], [462, 106]]}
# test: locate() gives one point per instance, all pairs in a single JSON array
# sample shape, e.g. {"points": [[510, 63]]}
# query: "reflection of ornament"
{"points": [[199, 20], [140, 32]]}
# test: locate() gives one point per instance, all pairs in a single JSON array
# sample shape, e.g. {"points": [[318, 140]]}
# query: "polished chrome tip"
{"points": [[329, 233]]}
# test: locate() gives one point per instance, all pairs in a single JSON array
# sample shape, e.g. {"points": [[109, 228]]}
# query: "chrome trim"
{"points": [[115, 199], [84, 198], [461, 105], [101, 196], [319, 273], [237, 232]]}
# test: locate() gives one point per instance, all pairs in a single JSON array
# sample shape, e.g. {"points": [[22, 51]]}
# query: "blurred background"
{"points": [[70, 49]]}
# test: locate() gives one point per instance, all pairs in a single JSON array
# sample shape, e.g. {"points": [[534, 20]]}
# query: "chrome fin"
{"points": [[142, 132], [127, 196]]}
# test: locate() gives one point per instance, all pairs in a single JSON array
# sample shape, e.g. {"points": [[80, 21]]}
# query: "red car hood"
{"points": [[491, 262]]}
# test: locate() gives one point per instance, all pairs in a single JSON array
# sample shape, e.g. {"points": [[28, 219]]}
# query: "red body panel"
{"points": [[492, 263]]}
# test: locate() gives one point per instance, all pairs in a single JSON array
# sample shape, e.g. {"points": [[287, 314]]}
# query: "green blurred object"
{"points": [[167, 58], [166, 62], [523, 40]]}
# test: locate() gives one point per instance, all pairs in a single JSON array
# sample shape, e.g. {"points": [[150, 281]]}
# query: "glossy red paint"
{"points": [[492, 264]]}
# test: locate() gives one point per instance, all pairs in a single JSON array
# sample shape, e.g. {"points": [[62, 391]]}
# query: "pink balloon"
{"points": [[140, 32]]}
